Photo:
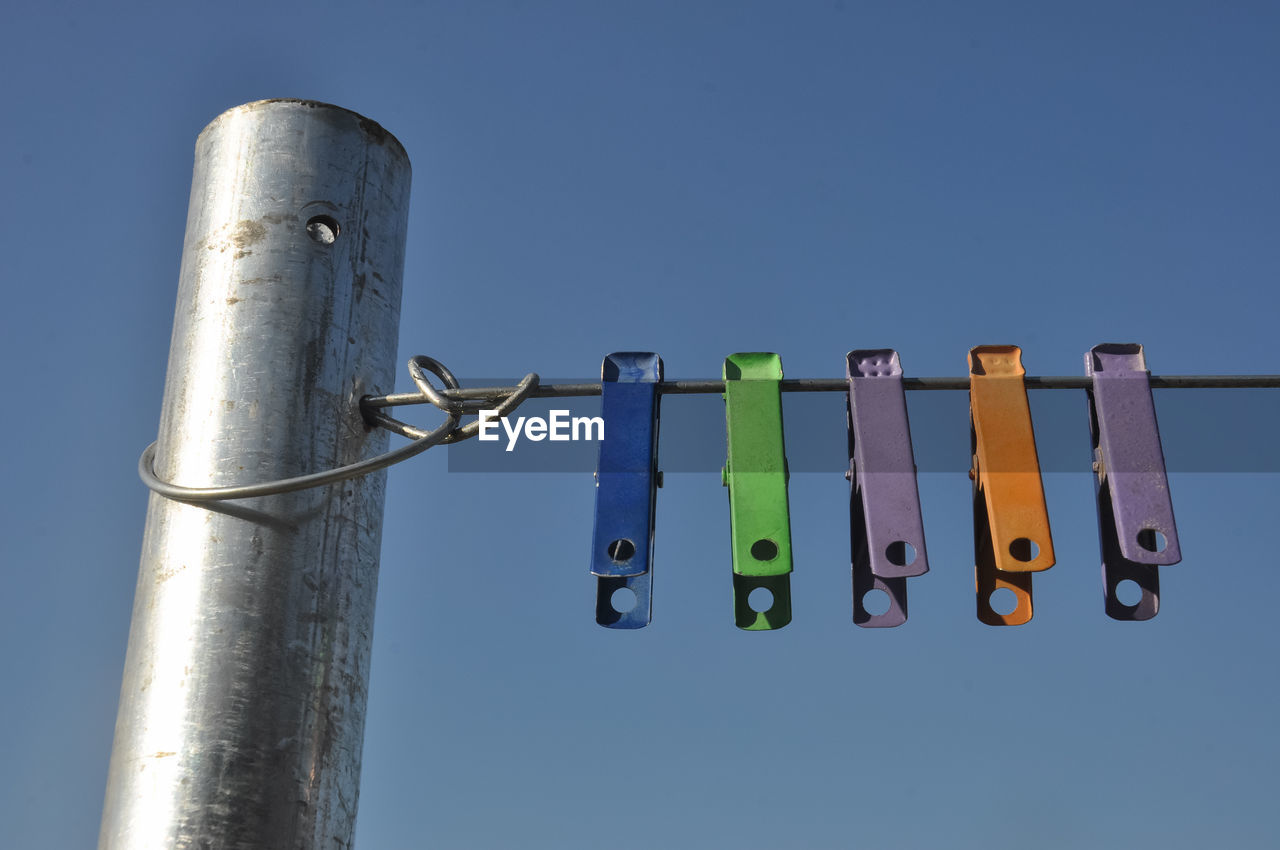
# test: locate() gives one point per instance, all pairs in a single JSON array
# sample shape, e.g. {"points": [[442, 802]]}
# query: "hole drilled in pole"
{"points": [[323, 229]]}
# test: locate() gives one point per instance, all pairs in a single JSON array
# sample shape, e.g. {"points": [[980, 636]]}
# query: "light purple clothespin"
{"points": [[1135, 513], [886, 531]]}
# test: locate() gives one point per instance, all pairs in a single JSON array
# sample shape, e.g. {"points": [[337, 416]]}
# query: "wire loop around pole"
{"points": [[448, 432]]}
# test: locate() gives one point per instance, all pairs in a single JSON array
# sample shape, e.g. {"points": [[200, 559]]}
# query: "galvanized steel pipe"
{"points": [[243, 704]]}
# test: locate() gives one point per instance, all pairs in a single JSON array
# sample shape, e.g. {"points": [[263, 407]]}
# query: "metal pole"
{"points": [[242, 710]]}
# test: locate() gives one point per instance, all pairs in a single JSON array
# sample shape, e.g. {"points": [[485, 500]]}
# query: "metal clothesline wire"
{"points": [[826, 385], [456, 400]]}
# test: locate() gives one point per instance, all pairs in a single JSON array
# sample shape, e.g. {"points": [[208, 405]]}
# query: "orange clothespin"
{"points": [[1010, 520]]}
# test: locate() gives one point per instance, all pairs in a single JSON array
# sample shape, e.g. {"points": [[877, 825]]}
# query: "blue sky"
{"points": [[694, 179]]}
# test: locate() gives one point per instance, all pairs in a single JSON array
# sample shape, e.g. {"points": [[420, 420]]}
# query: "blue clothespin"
{"points": [[627, 481]]}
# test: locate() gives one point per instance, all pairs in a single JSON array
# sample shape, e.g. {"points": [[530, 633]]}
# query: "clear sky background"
{"points": [[692, 178]]}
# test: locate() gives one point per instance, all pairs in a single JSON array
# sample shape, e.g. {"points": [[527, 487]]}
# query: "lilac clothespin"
{"points": [[1135, 513], [886, 530]]}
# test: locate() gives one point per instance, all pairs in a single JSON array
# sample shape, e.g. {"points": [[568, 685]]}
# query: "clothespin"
{"points": [[886, 530], [1135, 512], [756, 475], [627, 481], [1011, 537]]}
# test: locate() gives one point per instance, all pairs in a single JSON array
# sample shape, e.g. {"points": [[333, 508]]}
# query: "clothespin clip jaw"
{"points": [[1135, 512], [627, 481], [1011, 521], [886, 528], [756, 475]]}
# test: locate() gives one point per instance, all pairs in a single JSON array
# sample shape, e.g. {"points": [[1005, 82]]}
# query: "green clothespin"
{"points": [[756, 475]]}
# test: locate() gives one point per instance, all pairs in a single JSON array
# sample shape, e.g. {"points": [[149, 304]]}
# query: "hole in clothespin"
{"points": [[875, 602], [1152, 540], [623, 600], [900, 553], [1003, 601], [1129, 593], [760, 600], [621, 551], [1023, 549], [764, 550]]}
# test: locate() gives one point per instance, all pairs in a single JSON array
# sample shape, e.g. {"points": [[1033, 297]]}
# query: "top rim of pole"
{"points": [[375, 131]]}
